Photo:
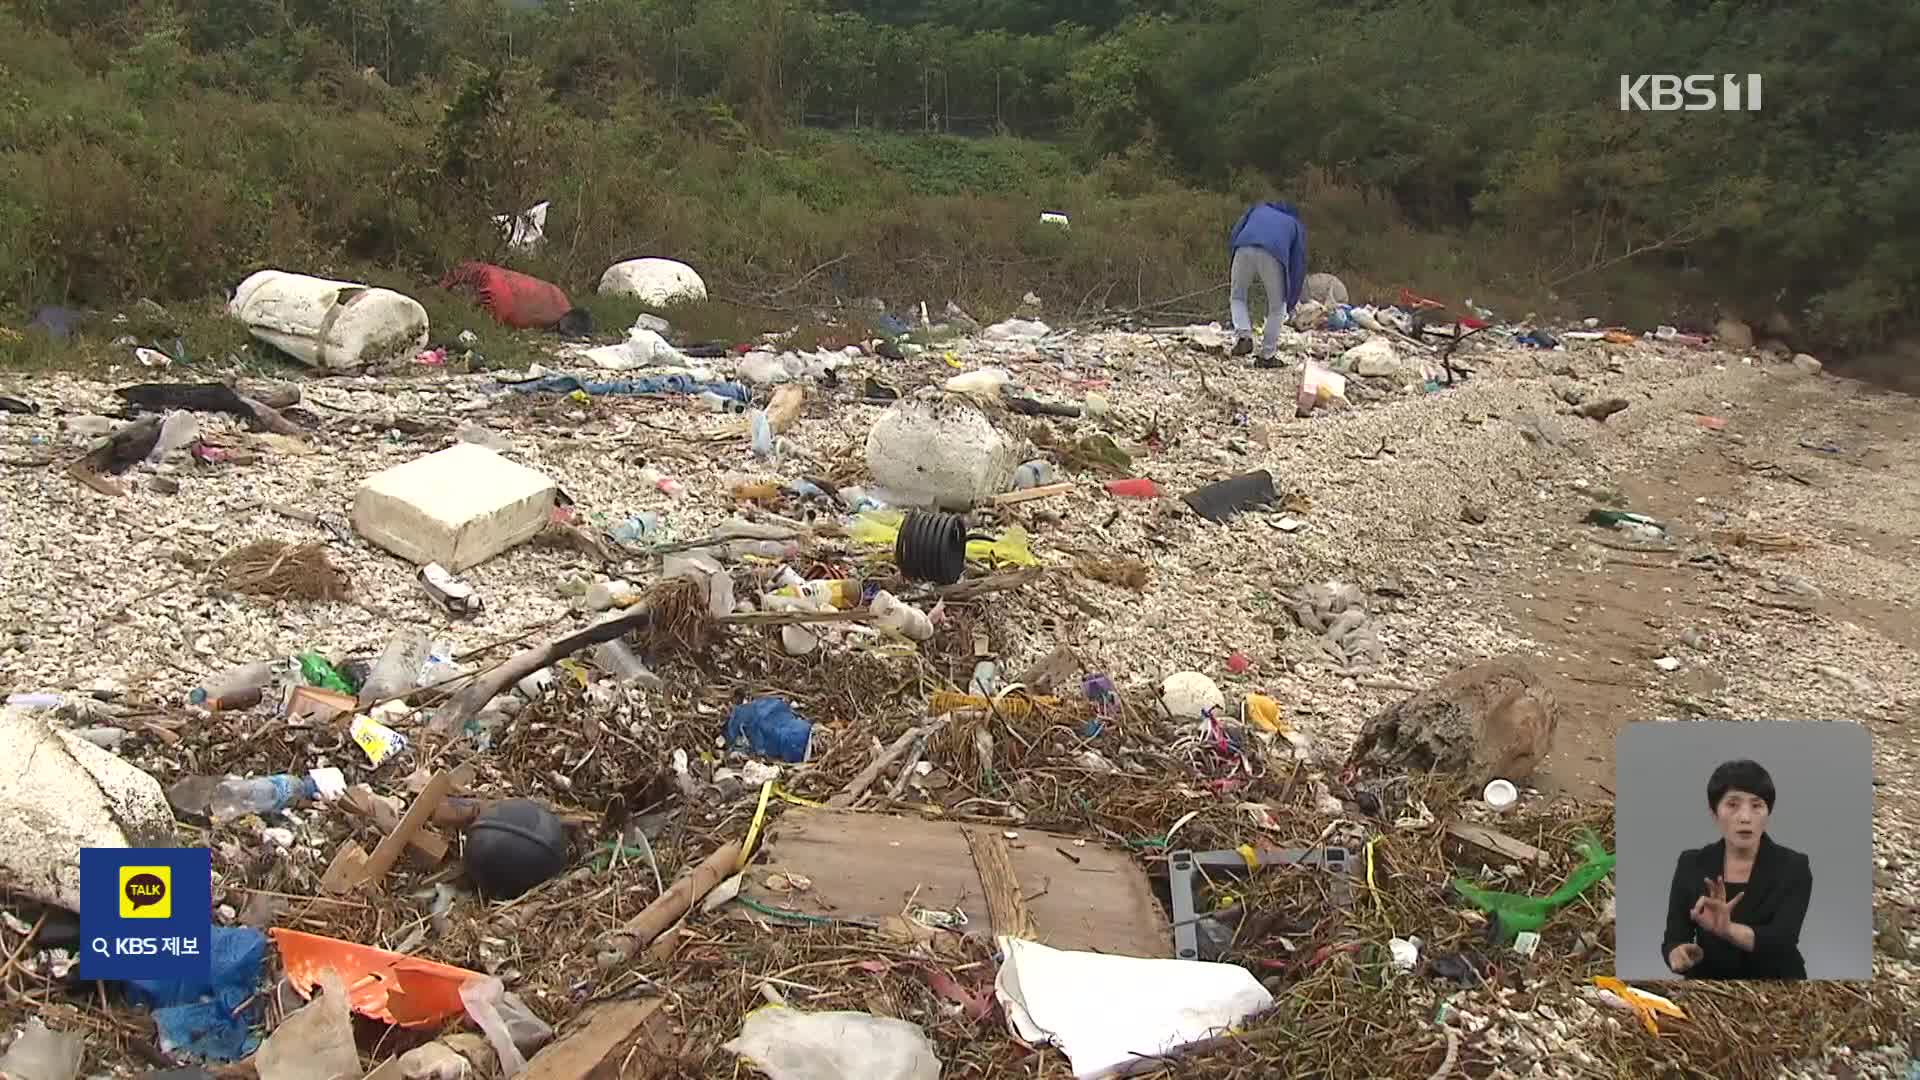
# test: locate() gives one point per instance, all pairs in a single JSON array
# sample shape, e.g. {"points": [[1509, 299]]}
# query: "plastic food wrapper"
{"points": [[1106, 1012], [1515, 914], [1320, 386], [213, 1019], [401, 990], [880, 528], [509, 1025], [787, 1044], [377, 739]]}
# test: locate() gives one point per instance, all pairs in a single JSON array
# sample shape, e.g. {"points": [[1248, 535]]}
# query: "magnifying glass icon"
{"points": [[100, 946]]}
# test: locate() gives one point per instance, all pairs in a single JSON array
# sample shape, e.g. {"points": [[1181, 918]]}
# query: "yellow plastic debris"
{"points": [[880, 528], [1262, 712], [1644, 1003]]}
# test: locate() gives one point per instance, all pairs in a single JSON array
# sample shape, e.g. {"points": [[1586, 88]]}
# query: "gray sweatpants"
{"points": [[1249, 263]]}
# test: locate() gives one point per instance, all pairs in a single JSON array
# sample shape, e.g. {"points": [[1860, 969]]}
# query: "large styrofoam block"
{"points": [[655, 282], [330, 324], [60, 793], [940, 452], [459, 507]]}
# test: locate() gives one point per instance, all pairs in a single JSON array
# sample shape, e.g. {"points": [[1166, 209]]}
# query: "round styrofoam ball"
{"points": [[1189, 694]]}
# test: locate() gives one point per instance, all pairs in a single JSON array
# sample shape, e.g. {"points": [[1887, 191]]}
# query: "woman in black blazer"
{"points": [[1736, 905]]}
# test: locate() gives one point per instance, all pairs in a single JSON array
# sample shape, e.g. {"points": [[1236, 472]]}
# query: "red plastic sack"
{"points": [[513, 298]]}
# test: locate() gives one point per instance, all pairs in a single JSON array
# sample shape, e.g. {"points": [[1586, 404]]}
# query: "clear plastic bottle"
{"points": [[232, 688], [986, 679], [618, 659], [720, 403], [238, 796], [399, 667], [1032, 475], [762, 429]]}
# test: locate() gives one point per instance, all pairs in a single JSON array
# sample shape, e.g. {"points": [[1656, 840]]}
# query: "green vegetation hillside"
{"points": [[167, 149]]}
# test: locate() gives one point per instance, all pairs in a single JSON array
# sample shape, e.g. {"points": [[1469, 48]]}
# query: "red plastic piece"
{"points": [[515, 299], [1133, 487]]}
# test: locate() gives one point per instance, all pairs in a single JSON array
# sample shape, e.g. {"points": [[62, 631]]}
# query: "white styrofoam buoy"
{"points": [[656, 282], [1189, 695]]}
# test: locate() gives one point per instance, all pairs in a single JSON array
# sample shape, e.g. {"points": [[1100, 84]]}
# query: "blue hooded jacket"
{"points": [[1275, 228]]}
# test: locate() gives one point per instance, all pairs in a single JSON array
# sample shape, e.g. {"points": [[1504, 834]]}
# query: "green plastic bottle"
{"points": [[318, 672]]}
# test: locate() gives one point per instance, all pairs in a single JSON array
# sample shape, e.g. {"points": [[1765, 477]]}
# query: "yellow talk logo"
{"points": [[146, 892]]}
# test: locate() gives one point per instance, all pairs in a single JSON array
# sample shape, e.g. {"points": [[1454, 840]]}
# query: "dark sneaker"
{"points": [[1269, 363], [1243, 346]]}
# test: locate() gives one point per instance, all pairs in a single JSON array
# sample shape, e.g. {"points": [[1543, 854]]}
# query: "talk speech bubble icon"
{"points": [[143, 894]]}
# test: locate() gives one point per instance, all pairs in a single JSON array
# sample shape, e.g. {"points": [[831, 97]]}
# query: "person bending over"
{"points": [[1736, 905], [1269, 243]]}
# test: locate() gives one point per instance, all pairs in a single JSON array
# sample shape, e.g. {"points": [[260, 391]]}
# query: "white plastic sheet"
{"points": [[1106, 1012], [791, 1045]]}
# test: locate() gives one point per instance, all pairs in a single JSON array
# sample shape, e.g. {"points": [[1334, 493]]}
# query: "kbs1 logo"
{"points": [[1690, 93]]}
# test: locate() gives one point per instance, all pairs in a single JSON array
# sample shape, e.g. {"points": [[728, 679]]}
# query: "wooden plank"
{"points": [[1497, 842], [388, 851], [1011, 498], [993, 860], [872, 866], [615, 1032]]}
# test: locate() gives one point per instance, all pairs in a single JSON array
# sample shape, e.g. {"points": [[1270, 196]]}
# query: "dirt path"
{"points": [[1748, 624]]}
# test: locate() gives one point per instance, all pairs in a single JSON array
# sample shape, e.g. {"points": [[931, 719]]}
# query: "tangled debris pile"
{"points": [[868, 711]]}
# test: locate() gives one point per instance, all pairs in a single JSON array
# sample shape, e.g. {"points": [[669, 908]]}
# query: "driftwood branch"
{"points": [[857, 787], [669, 907], [466, 704]]}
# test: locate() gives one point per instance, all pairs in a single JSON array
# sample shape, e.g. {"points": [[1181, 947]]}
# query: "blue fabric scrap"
{"points": [[210, 1020]]}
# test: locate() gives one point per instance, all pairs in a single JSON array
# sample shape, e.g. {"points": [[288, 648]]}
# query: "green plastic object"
{"points": [[315, 669], [1614, 518], [1514, 914]]}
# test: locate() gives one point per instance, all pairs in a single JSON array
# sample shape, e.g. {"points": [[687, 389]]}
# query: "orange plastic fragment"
{"points": [[401, 990]]}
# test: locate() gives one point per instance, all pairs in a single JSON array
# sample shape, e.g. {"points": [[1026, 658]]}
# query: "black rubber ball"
{"points": [[514, 845]]}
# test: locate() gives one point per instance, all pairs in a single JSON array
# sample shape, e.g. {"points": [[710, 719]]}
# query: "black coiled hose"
{"points": [[932, 547]]}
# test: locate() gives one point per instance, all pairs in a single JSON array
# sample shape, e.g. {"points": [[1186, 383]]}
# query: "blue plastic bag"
{"points": [[206, 1019], [770, 728], [1340, 318]]}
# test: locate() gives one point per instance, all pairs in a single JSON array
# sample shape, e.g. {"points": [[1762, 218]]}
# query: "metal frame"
{"points": [[1185, 865]]}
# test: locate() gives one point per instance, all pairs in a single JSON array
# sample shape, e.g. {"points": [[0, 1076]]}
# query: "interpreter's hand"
{"points": [[1714, 912], [1683, 957]]}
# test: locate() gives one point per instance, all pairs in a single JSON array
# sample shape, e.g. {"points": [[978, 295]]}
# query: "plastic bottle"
{"points": [[762, 429], [238, 796], [1032, 475], [602, 595], [398, 670], [318, 671], [986, 679], [892, 613], [857, 499], [841, 593], [762, 549], [231, 688], [721, 403], [618, 659], [986, 381]]}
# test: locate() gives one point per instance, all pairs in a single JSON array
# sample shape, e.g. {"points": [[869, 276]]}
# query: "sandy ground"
{"points": [[102, 591]]}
